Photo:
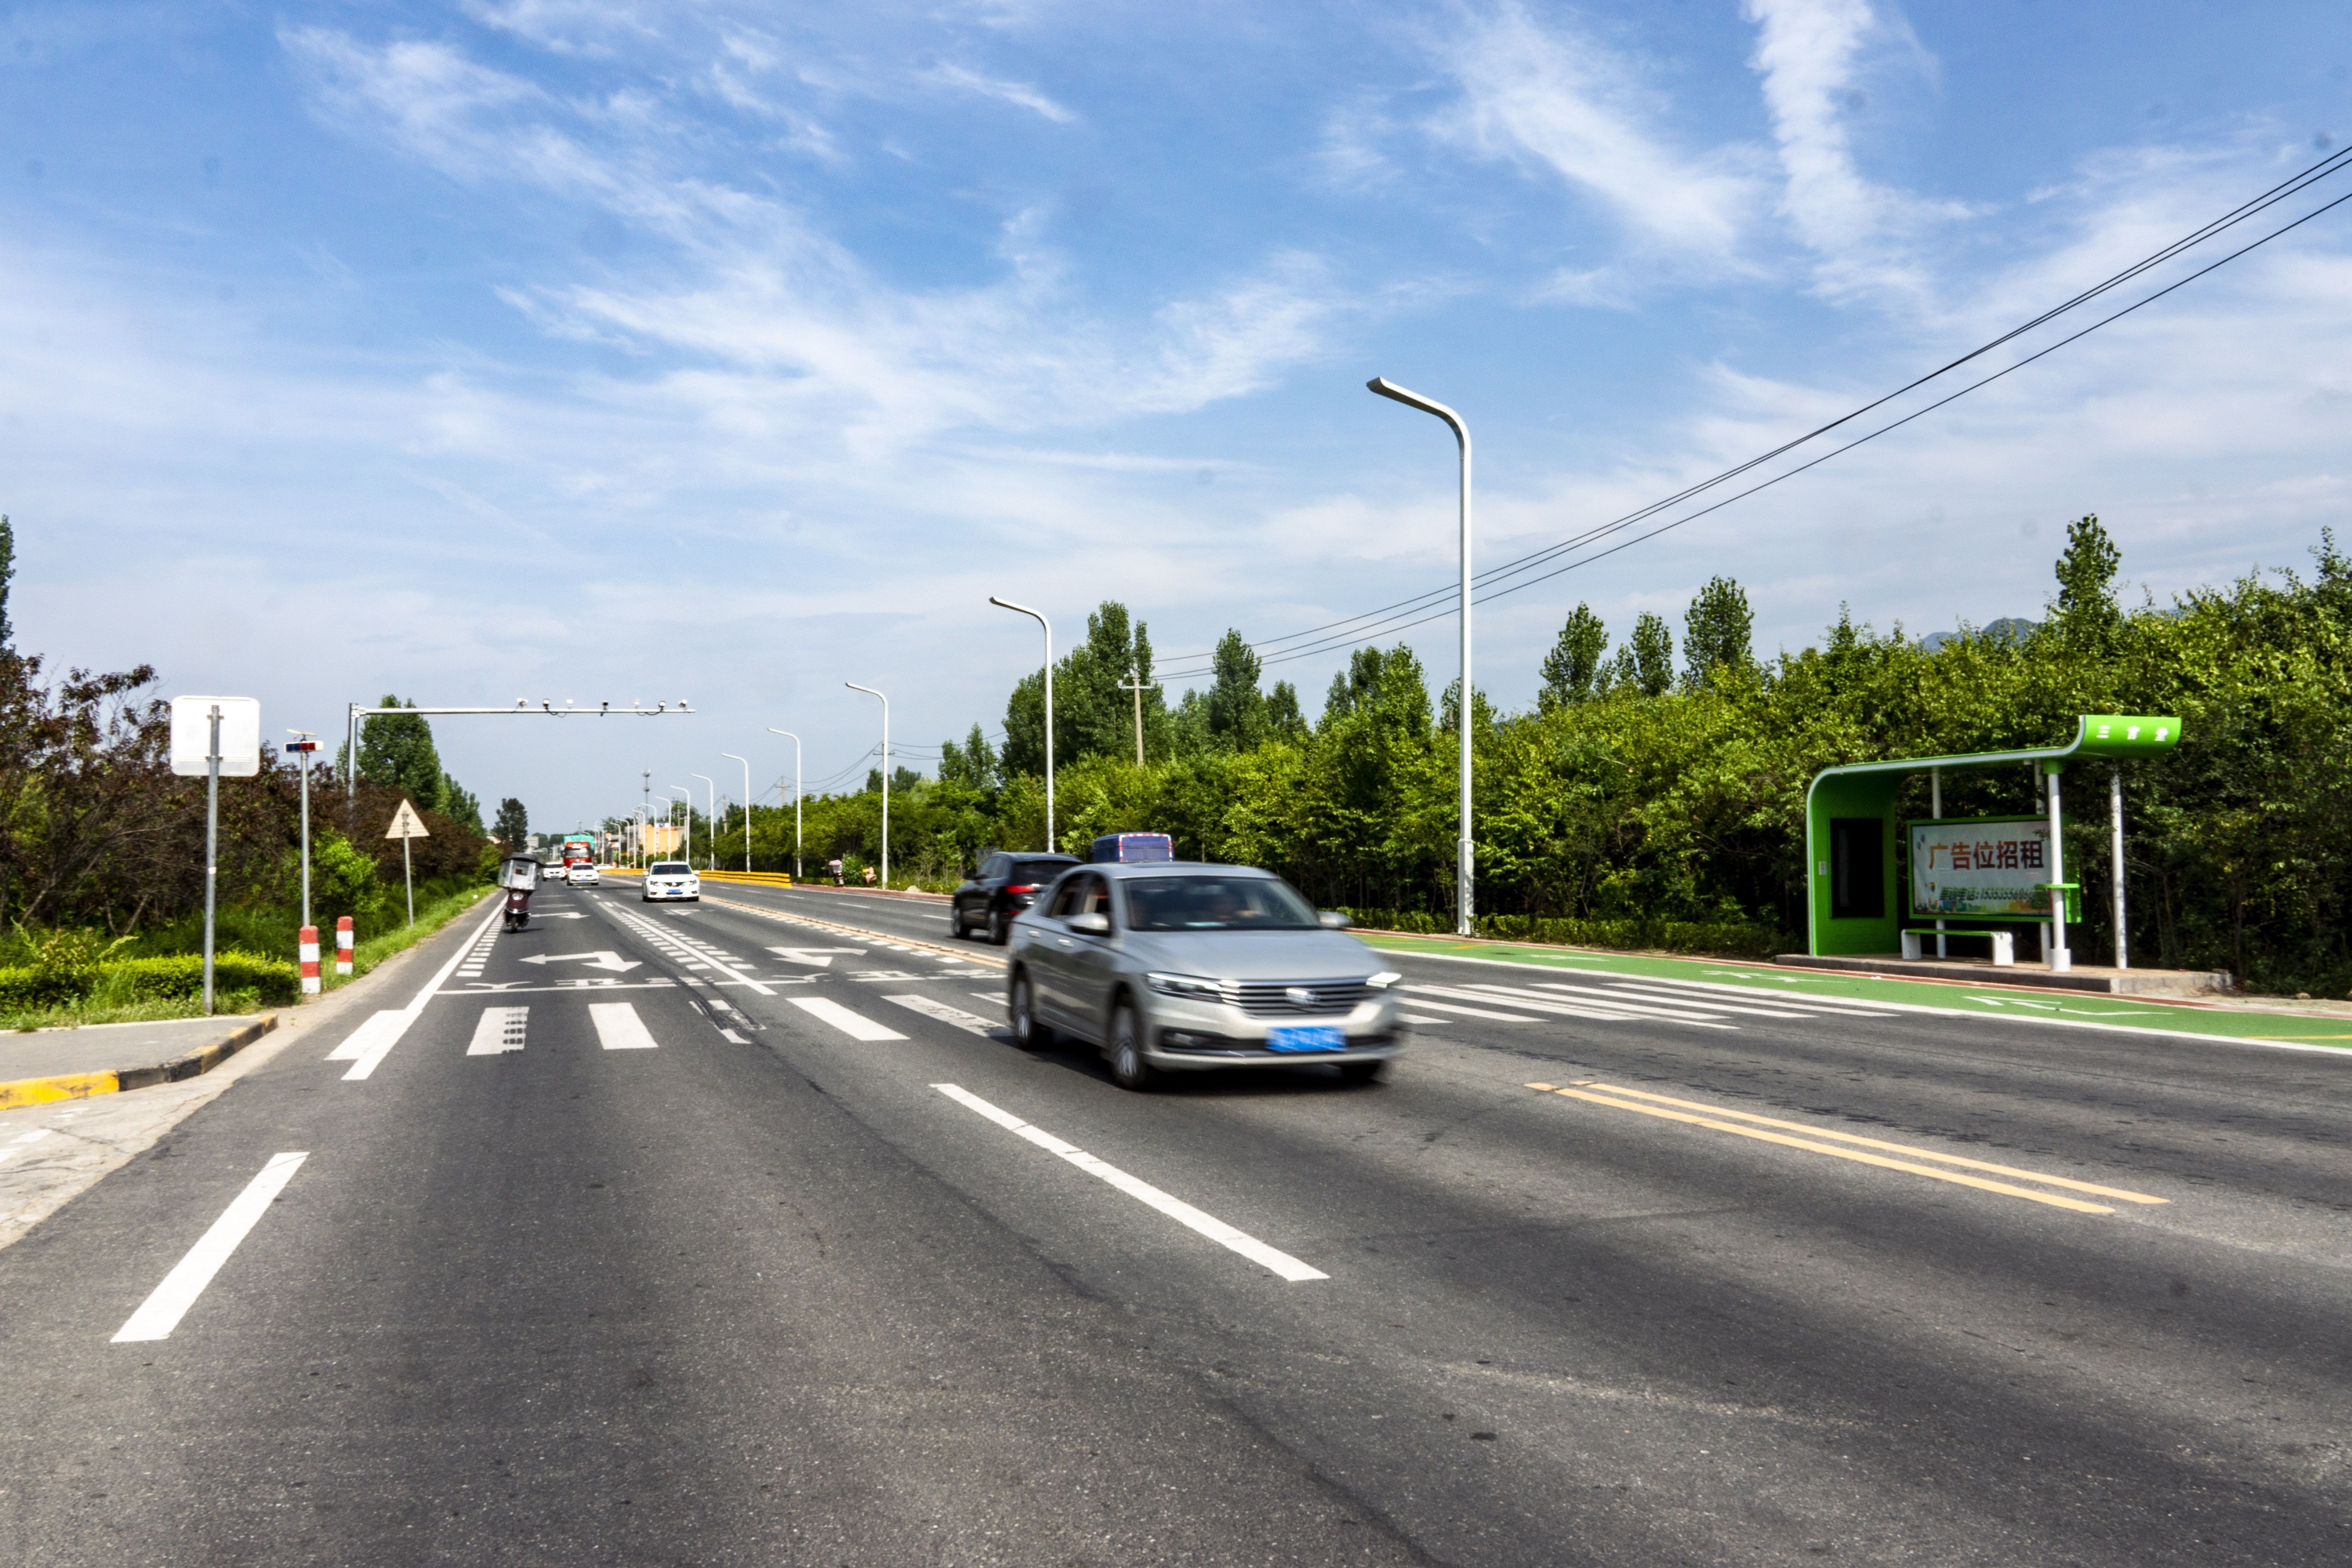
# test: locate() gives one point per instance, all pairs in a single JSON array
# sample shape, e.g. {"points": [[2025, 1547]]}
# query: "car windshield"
{"points": [[1216, 903], [1035, 871], [672, 869]]}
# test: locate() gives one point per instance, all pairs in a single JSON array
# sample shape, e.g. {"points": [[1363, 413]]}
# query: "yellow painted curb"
{"points": [[59, 1086], [82, 1085]]}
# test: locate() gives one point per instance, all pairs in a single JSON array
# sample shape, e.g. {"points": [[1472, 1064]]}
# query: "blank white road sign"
{"points": [[240, 738]]}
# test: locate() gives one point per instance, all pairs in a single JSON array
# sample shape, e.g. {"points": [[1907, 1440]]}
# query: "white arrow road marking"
{"points": [[618, 1027], [971, 1023], [499, 1029], [159, 1314], [605, 959], [816, 957], [1185, 1214], [856, 1025], [561, 915]]}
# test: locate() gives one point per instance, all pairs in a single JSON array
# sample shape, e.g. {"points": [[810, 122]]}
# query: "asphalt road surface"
{"points": [[697, 1234]]}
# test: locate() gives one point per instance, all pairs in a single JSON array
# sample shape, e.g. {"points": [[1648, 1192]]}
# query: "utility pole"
{"points": [[1137, 687]]}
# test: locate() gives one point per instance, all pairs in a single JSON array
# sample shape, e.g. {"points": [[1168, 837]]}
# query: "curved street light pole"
{"points": [[1039, 616], [795, 740], [747, 805], [1463, 866], [885, 775]]}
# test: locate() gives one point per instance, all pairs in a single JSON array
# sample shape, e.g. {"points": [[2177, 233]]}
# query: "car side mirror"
{"points": [[1089, 925], [1332, 920]]}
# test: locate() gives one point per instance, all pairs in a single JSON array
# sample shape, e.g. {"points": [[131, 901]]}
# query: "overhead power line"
{"points": [[1419, 610]]}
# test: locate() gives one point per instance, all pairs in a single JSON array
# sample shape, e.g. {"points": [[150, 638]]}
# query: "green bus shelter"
{"points": [[1857, 904]]}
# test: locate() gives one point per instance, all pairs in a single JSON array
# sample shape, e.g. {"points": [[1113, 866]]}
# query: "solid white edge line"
{"points": [[384, 1036], [2179, 1037], [159, 1314], [1279, 1262]]}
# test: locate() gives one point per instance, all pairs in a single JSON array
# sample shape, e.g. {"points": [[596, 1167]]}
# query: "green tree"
{"points": [[1716, 631], [1646, 662], [971, 765], [1284, 722], [2085, 615], [398, 752], [459, 806], [1094, 714], [1236, 708], [514, 825], [1573, 666]]}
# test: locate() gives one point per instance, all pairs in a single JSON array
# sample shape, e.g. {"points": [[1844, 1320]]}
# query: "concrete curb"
{"points": [[82, 1085]]}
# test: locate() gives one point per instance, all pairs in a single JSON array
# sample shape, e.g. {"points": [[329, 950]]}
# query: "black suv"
{"points": [[1003, 887]]}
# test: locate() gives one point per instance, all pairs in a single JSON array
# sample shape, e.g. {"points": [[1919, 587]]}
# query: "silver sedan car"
{"points": [[1176, 968]]}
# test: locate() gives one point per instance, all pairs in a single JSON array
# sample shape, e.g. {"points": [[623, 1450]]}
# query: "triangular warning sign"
{"points": [[406, 825]]}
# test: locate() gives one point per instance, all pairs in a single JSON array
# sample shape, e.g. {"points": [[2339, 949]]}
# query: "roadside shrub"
{"points": [[1662, 936], [272, 981]]}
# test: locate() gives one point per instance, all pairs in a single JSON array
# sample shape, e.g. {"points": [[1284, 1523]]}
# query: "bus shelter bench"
{"points": [[2004, 942]]}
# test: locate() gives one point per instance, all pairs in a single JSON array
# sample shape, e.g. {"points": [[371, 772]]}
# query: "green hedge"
{"points": [[275, 982], [1662, 936]]}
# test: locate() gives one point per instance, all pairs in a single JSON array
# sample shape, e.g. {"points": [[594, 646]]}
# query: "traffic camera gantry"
{"points": [[358, 713]]}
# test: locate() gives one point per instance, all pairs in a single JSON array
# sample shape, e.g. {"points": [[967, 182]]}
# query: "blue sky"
{"points": [[566, 349]]}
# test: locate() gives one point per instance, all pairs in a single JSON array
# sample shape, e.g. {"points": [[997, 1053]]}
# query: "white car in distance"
{"points": [[583, 875], [671, 880]]}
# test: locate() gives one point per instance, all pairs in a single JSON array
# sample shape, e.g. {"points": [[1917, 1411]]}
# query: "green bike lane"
{"points": [[2240, 1024]]}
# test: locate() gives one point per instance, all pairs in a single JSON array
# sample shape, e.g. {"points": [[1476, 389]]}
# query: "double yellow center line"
{"points": [[1747, 1124]]}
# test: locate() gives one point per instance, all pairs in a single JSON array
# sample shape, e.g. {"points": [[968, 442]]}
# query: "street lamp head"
{"points": [[1391, 390]]}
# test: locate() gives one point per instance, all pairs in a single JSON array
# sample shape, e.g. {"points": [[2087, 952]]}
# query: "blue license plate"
{"points": [[1306, 1038]]}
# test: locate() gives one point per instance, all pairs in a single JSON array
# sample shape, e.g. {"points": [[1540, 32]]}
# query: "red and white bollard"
{"points": [[343, 945], [309, 954]]}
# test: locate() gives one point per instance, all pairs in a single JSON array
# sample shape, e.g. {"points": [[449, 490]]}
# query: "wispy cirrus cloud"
{"points": [[1554, 100], [1809, 54], [963, 78], [755, 316]]}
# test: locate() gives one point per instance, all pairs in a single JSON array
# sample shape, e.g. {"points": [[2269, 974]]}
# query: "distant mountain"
{"points": [[2008, 628]]}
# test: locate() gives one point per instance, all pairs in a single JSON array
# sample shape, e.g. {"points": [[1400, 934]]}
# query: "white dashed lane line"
{"points": [[1143, 1192], [161, 1311]]}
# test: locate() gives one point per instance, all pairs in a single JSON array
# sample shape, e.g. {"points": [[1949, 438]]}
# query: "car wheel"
{"points": [[1128, 1067], [1362, 1072], [956, 928], [997, 932], [1027, 1032]]}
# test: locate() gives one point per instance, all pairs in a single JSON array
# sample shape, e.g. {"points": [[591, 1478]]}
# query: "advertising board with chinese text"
{"points": [[1984, 866]]}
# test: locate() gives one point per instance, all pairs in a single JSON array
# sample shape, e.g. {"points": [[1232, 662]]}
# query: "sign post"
{"points": [[305, 743], [406, 825], [213, 736]]}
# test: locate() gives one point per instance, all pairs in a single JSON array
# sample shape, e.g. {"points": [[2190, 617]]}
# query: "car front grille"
{"points": [[1272, 998]]}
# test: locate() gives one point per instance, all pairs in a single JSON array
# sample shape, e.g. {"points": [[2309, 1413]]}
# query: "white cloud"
{"points": [[962, 79], [1565, 103], [1808, 53]]}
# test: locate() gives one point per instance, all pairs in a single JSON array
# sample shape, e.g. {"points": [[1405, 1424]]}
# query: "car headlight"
{"points": [[1383, 979], [1185, 985]]}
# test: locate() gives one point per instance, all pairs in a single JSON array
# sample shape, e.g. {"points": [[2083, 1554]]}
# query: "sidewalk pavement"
{"points": [[2273, 1023], [105, 1059]]}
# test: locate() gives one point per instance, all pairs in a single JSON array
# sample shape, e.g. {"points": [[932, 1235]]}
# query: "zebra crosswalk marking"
{"points": [[618, 1027], [498, 1030]]}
